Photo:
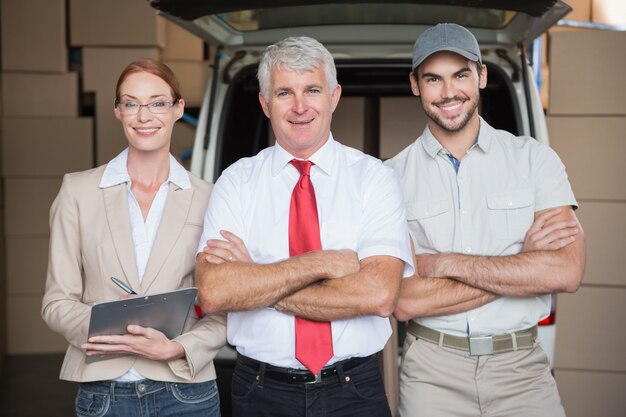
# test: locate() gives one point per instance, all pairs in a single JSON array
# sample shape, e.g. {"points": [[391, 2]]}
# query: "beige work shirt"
{"points": [[483, 209]]}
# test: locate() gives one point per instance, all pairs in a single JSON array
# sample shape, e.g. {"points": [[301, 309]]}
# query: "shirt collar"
{"points": [[178, 175], [485, 136], [431, 144], [322, 158], [433, 147], [116, 172]]}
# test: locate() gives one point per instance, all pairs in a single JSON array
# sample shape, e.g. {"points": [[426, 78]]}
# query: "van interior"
{"points": [[377, 112]]}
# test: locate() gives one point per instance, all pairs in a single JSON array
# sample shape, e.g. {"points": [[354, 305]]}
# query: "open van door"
{"points": [[349, 29], [236, 23]]}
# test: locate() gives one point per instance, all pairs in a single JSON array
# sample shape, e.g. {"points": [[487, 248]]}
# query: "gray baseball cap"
{"points": [[446, 37]]}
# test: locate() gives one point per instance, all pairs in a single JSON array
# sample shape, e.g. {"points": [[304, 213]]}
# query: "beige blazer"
{"points": [[91, 241]]}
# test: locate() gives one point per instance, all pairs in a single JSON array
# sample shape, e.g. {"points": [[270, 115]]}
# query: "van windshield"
{"points": [[364, 14]]}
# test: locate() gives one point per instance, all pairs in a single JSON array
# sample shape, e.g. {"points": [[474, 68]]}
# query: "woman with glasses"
{"points": [[138, 219]]}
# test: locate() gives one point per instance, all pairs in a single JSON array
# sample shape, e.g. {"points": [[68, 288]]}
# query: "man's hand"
{"points": [[371, 290], [549, 234], [340, 262], [229, 280], [218, 251], [546, 233], [553, 260], [144, 341]]}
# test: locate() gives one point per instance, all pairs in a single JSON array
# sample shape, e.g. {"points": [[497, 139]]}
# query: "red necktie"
{"points": [[314, 341]]}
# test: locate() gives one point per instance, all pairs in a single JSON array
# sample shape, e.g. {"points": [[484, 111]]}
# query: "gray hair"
{"points": [[296, 53]]}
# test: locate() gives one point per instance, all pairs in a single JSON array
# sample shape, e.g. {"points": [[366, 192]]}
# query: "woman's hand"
{"points": [[143, 341]]}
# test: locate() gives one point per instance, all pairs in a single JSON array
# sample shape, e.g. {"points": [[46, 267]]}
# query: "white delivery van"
{"points": [[372, 45]]}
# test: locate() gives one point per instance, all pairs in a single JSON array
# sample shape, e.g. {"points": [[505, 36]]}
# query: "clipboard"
{"points": [[166, 312]]}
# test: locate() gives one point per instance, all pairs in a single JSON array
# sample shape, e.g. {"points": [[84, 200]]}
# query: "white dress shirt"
{"points": [[484, 209], [143, 232], [360, 208]]}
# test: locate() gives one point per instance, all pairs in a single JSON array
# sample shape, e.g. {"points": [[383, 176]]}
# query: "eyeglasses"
{"points": [[155, 107]]}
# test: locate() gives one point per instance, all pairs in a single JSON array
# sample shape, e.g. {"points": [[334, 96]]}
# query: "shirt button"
{"points": [[468, 250], [463, 211], [509, 203]]}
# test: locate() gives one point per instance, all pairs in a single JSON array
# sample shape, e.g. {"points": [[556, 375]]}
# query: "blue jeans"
{"points": [[147, 398], [356, 392]]}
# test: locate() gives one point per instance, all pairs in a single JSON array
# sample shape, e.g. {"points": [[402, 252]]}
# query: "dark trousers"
{"points": [[357, 392]]}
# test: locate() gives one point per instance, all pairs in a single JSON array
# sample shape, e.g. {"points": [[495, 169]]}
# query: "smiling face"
{"points": [[449, 85], [145, 131], [300, 108]]}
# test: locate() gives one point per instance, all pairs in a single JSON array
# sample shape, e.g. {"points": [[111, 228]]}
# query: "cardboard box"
{"points": [[46, 146], [605, 235], [586, 73], [27, 205], [34, 35], [402, 120], [102, 67], [27, 332], [181, 45], [348, 123], [581, 10], [31, 94], [193, 78], [115, 23], [587, 393], [592, 149], [597, 313], [609, 12], [27, 263]]}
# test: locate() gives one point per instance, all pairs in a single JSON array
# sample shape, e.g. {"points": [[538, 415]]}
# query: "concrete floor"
{"points": [[30, 387]]}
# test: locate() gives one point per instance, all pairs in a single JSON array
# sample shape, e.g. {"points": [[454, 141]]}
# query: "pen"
{"points": [[123, 286]]}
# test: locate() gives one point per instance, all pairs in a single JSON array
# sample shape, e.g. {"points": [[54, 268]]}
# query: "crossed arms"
{"points": [[320, 285], [333, 285], [552, 260]]}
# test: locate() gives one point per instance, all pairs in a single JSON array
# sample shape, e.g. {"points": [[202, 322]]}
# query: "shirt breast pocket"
{"points": [[432, 224], [511, 213]]}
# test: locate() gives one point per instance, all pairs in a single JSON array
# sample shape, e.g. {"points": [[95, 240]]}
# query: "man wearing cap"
{"points": [[492, 221]]}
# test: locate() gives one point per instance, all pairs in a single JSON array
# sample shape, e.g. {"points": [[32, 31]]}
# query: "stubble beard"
{"points": [[451, 126]]}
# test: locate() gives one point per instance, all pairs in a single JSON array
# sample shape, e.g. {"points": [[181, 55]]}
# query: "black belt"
{"points": [[302, 376]]}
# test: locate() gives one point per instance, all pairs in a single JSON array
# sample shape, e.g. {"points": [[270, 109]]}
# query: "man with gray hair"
{"points": [[492, 220], [304, 246]]}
